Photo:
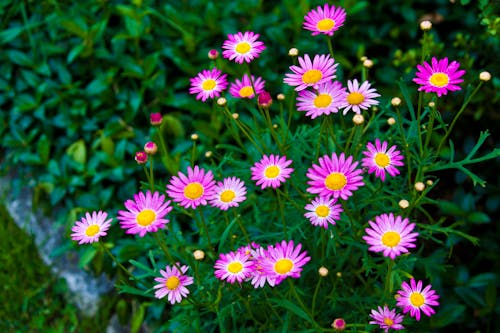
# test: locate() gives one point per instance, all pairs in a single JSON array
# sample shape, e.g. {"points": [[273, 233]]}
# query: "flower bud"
{"points": [[281, 97], [391, 121], [404, 204], [339, 324], [208, 154], [425, 25], [358, 119], [155, 119], [339, 274], [432, 104], [368, 63], [396, 101], [419, 186], [221, 101], [363, 58], [484, 76], [141, 157], [235, 116], [323, 271], [293, 52], [194, 136], [429, 182], [213, 54], [199, 255], [150, 148], [264, 99]]}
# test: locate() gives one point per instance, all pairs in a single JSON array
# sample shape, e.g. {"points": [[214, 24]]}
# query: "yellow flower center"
{"points": [[322, 211], [172, 282], [235, 267], [335, 181], [243, 47], [272, 171], [246, 91], [388, 321], [322, 100], [391, 238], [417, 299], [382, 160], [325, 24], [146, 217], [283, 266], [193, 191], [92, 230], [439, 79], [312, 76], [227, 196], [208, 84], [355, 98]]}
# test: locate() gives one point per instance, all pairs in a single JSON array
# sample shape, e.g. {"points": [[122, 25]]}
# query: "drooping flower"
{"points": [[173, 283], [192, 190], [208, 84], [146, 213], [386, 319], [359, 96], [245, 89], [439, 76], [91, 227], [322, 211], [334, 177], [324, 20], [311, 74], [271, 171], [228, 193], [284, 260], [328, 98], [391, 235], [233, 266], [242, 47], [413, 299], [379, 159]]}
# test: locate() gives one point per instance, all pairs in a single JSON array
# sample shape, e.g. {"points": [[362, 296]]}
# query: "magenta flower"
{"points": [[228, 193], [245, 89], [322, 211], [439, 76], [208, 84], [324, 20], [173, 283], [242, 47], [233, 266], [387, 319], [271, 171], [390, 235], [359, 97], [334, 177], [284, 260], [379, 159], [328, 98], [146, 213], [91, 227], [192, 190], [311, 74], [414, 299]]}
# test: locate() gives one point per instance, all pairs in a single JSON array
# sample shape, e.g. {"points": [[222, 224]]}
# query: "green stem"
{"points": [[115, 260], [202, 217], [313, 305], [405, 145], [151, 174], [301, 303], [282, 214], [165, 250], [387, 288], [228, 113]]}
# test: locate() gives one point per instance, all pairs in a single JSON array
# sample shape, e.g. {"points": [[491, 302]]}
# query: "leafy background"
{"points": [[79, 80]]}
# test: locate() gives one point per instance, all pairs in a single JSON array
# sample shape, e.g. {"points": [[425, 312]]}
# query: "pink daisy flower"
{"points": [[387, 319], [242, 47], [327, 98], [414, 299], [439, 76], [284, 260], [208, 84], [233, 266], [324, 20], [379, 160], [311, 74], [322, 211], [173, 283], [334, 177], [145, 213], [228, 193], [390, 235], [259, 276], [359, 97], [244, 88], [91, 227], [192, 190], [271, 171]]}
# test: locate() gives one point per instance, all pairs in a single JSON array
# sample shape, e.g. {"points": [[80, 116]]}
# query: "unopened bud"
{"points": [[235, 116], [281, 97], [293, 52], [426, 25], [396, 101], [323, 271], [339, 324], [339, 274], [429, 182], [419, 186], [199, 255], [432, 104], [155, 119], [194, 136], [141, 157], [368, 63], [221, 101], [391, 121], [484, 76], [363, 58], [150, 148], [404, 204], [213, 54], [264, 99], [208, 154], [358, 119]]}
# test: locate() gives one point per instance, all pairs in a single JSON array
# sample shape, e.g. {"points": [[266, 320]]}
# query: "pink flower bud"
{"points": [[155, 119], [141, 157], [150, 148], [264, 99]]}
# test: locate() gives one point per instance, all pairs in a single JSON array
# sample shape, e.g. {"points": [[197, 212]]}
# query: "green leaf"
{"points": [[43, 147], [75, 52], [19, 58], [88, 254], [78, 152], [478, 217], [137, 319], [482, 280], [10, 34], [448, 315], [292, 308]]}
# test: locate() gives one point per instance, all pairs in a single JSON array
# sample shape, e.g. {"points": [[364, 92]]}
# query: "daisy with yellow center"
{"points": [[311, 73], [284, 260], [381, 159], [91, 227], [323, 211], [193, 189], [233, 266], [146, 213], [247, 87], [228, 193], [324, 20], [359, 97], [328, 98], [413, 299], [391, 235], [386, 319], [439, 76], [242, 47], [208, 84], [173, 283], [271, 171]]}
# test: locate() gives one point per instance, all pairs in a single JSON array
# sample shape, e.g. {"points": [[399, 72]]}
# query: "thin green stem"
{"points": [[315, 295], [164, 248], [301, 303], [282, 214], [387, 287], [204, 223], [250, 138], [405, 145], [151, 174], [126, 271]]}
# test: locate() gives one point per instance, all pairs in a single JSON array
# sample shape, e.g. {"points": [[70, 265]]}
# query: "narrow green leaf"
{"points": [[292, 308]]}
